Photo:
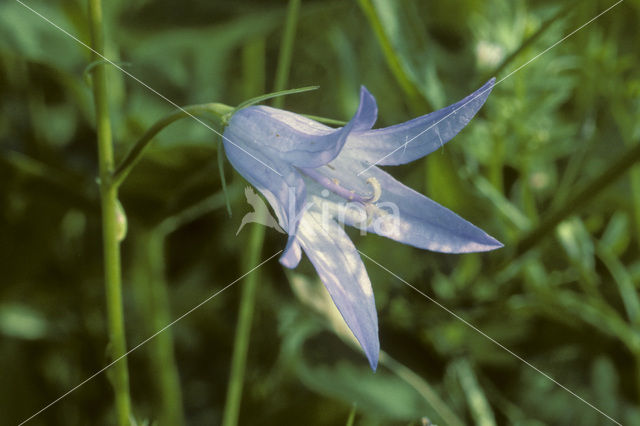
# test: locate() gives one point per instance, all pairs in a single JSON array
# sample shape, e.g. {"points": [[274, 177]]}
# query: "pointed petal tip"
{"points": [[373, 363], [372, 352], [408, 141], [367, 112], [488, 245], [365, 91], [494, 244], [486, 88]]}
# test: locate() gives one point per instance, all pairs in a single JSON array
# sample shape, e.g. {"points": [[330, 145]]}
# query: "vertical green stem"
{"points": [[253, 56], [286, 50], [254, 64], [150, 283], [110, 226], [243, 330]]}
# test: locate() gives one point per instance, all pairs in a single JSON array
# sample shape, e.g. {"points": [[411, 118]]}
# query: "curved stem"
{"points": [[217, 110], [110, 237], [274, 95]]}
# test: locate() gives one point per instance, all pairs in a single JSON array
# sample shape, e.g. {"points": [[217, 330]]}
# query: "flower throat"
{"points": [[334, 186]]}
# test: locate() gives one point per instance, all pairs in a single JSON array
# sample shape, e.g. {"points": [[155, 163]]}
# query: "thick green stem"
{"points": [[110, 225], [153, 299]]}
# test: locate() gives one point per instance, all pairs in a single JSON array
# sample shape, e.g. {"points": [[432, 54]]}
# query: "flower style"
{"points": [[315, 176]]}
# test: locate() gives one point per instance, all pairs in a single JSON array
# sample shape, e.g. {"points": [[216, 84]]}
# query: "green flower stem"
{"points": [[151, 287], [215, 110], [110, 227], [253, 68], [243, 330], [286, 50], [580, 197], [352, 415], [253, 62]]}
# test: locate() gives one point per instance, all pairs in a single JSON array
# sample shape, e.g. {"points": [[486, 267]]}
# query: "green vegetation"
{"points": [[550, 167]]}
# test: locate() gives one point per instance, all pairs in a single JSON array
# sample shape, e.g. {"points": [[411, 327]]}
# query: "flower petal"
{"points": [[400, 213], [280, 183], [367, 112], [422, 222], [341, 270], [294, 138], [416, 138], [291, 255]]}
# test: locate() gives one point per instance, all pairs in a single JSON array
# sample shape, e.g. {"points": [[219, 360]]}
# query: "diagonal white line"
{"points": [[560, 41], [146, 86], [97, 373], [498, 82], [500, 345]]}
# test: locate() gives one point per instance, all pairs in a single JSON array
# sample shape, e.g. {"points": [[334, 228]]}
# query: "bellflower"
{"points": [[314, 176]]}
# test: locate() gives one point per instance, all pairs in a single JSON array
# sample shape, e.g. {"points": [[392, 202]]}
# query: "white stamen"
{"points": [[377, 189]]}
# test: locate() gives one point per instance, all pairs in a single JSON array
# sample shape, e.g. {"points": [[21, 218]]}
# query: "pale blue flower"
{"points": [[313, 175]]}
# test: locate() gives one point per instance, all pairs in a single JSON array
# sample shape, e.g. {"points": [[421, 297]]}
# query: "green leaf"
{"points": [[624, 282], [617, 235], [380, 396], [476, 399], [579, 247], [268, 96]]}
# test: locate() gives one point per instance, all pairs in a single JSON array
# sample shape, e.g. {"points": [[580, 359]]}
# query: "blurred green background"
{"points": [[539, 168]]}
